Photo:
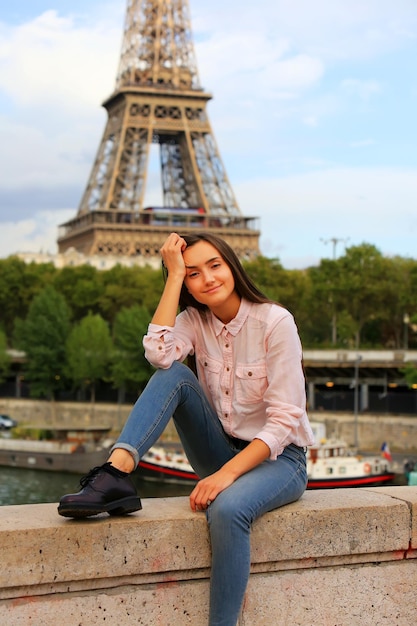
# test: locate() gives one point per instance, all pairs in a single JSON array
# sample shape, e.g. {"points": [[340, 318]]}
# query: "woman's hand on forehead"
{"points": [[171, 253]]}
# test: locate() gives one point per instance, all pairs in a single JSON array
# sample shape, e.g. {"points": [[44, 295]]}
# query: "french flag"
{"points": [[386, 451]]}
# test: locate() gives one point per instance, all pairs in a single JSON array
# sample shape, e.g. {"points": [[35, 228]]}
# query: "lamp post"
{"points": [[334, 241], [406, 321], [356, 398]]}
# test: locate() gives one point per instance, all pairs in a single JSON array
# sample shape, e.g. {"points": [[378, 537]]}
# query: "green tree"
{"points": [[130, 369], [397, 299], [410, 374], [19, 283], [291, 288], [321, 302], [42, 335], [89, 352], [124, 287], [82, 287], [358, 286], [4, 357], [279, 284]]}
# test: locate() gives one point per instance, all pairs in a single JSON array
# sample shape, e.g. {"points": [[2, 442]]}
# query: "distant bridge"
{"points": [[362, 380], [337, 380]]}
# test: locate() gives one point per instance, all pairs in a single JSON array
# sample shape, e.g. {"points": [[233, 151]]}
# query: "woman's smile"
{"points": [[212, 289]]}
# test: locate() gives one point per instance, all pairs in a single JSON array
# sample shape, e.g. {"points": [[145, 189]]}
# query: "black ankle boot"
{"points": [[105, 489]]}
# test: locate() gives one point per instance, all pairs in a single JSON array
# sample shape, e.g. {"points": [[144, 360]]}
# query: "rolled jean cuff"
{"points": [[130, 449]]}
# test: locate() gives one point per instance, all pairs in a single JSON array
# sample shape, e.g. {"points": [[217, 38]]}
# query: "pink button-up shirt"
{"points": [[250, 370]]}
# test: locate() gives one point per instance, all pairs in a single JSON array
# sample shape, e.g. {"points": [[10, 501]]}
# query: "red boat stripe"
{"points": [[165, 470]]}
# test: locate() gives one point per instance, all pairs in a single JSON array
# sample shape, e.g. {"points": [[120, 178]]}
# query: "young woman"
{"points": [[242, 421]]}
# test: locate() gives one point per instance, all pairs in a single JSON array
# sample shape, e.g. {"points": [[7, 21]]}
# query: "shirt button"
{"points": [[227, 345], [227, 369], [205, 364], [249, 373]]}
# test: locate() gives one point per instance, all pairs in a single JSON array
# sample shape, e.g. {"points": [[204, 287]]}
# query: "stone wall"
{"points": [[341, 557], [398, 430]]}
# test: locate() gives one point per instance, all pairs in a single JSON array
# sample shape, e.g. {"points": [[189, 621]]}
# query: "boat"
{"points": [[75, 451], [167, 462], [330, 464]]}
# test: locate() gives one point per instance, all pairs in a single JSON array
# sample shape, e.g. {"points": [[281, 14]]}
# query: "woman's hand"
{"points": [[171, 253], [207, 489]]}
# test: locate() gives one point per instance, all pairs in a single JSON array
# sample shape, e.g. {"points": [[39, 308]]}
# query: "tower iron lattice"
{"points": [[157, 99]]}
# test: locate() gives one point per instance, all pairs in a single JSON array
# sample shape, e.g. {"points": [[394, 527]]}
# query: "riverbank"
{"points": [[365, 431]]}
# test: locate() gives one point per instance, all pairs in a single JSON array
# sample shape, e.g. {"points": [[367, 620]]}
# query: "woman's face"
{"points": [[209, 279]]}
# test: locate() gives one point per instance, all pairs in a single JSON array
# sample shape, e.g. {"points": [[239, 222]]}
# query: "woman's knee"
{"points": [[224, 513], [178, 370]]}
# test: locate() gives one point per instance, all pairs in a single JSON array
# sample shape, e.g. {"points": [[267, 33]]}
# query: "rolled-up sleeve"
{"points": [[166, 344]]}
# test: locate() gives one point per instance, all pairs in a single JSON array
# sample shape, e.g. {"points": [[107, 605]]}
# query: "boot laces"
{"points": [[88, 478]]}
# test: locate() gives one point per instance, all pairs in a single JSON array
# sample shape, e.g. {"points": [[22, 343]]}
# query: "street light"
{"points": [[406, 321], [356, 398], [334, 241]]}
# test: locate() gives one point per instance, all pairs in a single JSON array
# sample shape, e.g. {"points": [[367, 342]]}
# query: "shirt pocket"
{"points": [[251, 383], [211, 370]]}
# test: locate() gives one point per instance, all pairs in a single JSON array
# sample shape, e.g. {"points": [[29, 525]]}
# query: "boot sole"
{"points": [[119, 507]]}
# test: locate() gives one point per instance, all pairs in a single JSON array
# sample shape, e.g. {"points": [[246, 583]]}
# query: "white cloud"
{"points": [[37, 234], [36, 157], [58, 61], [291, 75], [299, 211], [53, 75]]}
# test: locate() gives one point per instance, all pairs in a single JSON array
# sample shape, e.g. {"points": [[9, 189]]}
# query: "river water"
{"points": [[28, 486]]}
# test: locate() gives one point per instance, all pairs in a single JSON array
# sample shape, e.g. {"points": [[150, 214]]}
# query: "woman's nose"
{"points": [[208, 277]]}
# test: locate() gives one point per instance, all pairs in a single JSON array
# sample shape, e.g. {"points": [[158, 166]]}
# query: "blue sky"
{"points": [[313, 111]]}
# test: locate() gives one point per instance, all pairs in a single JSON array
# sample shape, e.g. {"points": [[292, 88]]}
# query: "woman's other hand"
{"points": [[207, 489]]}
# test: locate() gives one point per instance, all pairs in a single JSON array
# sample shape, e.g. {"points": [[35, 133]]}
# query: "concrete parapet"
{"points": [[335, 558]]}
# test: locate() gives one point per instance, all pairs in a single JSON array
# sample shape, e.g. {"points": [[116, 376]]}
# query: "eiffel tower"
{"points": [[157, 99]]}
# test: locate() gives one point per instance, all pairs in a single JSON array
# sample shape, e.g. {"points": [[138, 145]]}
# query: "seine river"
{"points": [[27, 486]]}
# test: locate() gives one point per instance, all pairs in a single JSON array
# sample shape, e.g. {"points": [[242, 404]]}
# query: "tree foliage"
{"points": [[130, 369], [42, 335], [89, 350], [4, 357], [123, 287], [410, 374], [82, 288], [19, 284], [360, 300]]}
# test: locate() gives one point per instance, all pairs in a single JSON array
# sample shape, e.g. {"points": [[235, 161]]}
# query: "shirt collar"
{"points": [[234, 326]]}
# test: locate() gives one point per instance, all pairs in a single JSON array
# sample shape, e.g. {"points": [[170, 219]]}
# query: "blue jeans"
{"points": [[176, 393]]}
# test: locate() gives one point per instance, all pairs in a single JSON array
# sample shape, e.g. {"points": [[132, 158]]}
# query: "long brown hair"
{"points": [[244, 285]]}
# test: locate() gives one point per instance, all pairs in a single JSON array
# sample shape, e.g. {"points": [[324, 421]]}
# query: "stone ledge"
{"points": [[162, 555], [166, 536]]}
